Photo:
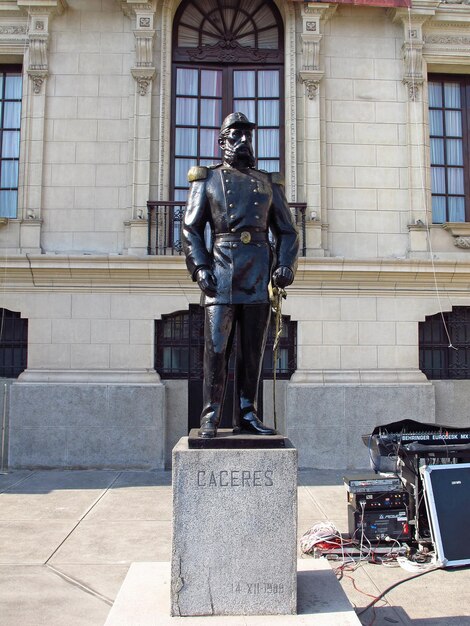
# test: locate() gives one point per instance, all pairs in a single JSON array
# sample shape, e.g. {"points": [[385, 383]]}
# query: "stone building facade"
{"points": [[360, 94]]}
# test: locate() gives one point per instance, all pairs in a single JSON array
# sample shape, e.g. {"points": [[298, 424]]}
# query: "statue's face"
{"points": [[237, 146]]}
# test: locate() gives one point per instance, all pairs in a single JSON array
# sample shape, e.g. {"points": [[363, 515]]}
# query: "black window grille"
{"points": [[179, 346], [437, 358], [13, 344]]}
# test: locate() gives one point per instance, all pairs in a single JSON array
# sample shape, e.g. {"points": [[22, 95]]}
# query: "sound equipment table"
{"points": [[410, 445]]}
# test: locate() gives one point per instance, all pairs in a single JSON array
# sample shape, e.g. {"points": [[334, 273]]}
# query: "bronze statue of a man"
{"points": [[241, 205]]}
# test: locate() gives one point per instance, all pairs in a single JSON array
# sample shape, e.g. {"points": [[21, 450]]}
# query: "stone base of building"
{"points": [[326, 422], [234, 531], [86, 425]]}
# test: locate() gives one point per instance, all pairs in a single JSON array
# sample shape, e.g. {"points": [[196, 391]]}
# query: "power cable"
{"points": [[399, 582]]}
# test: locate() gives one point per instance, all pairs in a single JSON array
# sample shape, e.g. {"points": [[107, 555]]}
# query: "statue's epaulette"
{"points": [[277, 178], [197, 172]]}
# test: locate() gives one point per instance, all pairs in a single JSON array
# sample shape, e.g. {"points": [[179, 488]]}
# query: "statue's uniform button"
{"points": [[231, 206], [229, 191], [232, 216], [254, 191], [257, 217], [227, 180], [253, 180], [256, 203], [234, 245], [234, 230]]}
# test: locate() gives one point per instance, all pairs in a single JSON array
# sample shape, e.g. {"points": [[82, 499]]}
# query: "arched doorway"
{"points": [[227, 56]]}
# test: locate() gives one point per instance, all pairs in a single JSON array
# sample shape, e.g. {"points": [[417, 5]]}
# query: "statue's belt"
{"points": [[244, 236]]}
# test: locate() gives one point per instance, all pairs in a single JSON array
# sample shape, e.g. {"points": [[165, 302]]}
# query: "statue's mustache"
{"points": [[241, 147]]}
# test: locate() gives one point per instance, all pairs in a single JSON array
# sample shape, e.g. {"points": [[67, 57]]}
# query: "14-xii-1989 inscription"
{"points": [[257, 588]]}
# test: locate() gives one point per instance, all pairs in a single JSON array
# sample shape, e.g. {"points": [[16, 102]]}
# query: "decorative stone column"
{"points": [[40, 14], [144, 73], [314, 16], [414, 72]]}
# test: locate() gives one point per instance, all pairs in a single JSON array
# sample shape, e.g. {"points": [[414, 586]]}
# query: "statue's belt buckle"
{"points": [[245, 237]]}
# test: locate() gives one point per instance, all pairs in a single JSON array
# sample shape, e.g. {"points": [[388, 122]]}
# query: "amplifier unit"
{"points": [[378, 525], [368, 482], [374, 501]]}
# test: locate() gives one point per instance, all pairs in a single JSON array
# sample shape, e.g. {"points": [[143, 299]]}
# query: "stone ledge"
{"points": [[144, 600], [95, 376], [360, 377]]}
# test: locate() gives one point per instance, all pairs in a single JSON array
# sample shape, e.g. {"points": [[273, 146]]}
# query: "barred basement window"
{"points": [[13, 344], [172, 345], [179, 346], [437, 359], [449, 103], [10, 120]]}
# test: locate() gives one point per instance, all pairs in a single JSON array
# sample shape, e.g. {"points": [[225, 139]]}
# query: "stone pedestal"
{"points": [[234, 531]]}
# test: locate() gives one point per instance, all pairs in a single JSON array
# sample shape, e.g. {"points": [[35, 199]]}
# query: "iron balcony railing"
{"points": [[165, 220]]}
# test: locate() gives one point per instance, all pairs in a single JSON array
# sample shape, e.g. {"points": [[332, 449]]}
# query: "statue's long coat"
{"points": [[232, 201]]}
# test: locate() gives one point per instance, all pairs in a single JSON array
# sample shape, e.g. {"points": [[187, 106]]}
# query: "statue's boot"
{"points": [[250, 423], [208, 429]]}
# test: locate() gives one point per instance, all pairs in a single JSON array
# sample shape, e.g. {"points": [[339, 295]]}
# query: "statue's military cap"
{"points": [[197, 172], [236, 120]]}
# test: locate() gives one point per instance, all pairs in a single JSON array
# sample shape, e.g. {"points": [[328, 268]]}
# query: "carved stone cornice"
{"points": [[38, 67], [462, 242], [131, 7], [48, 7], [314, 16], [412, 49], [38, 44], [143, 13], [9, 8], [439, 47], [13, 35], [16, 36], [461, 233], [322, 10], [454, 41], [38, 78], [413, 76], [13, 29], [311, 50], [144, 47], [311, 79], [144, 77]]}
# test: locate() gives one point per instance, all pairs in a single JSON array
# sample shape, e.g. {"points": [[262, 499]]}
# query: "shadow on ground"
{"points": [[389, 615], [46, 481]]}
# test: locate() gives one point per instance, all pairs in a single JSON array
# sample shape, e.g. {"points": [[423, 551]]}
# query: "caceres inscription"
{"points": [[235, 478]]}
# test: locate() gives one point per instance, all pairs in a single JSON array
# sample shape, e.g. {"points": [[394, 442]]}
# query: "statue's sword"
{"points": [[278, 295]]}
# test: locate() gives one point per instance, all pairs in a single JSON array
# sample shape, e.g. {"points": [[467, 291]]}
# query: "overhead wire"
{"points": [[424, 193]]}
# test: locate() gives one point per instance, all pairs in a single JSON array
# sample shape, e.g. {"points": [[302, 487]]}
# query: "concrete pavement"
{"points": [[67, 539]]}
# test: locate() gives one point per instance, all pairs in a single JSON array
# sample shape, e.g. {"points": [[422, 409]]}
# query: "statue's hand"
{"points": [[283, 277], [206, 281]]}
